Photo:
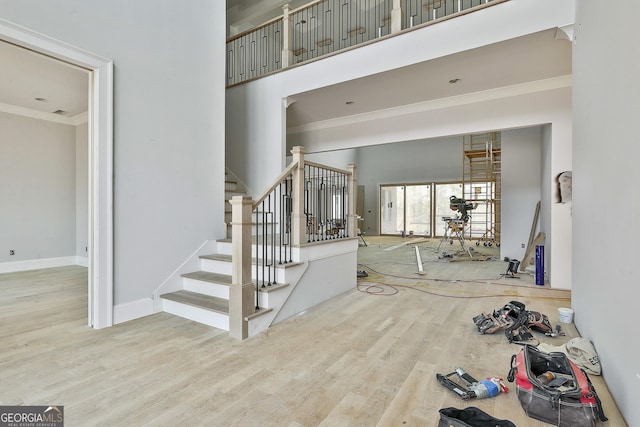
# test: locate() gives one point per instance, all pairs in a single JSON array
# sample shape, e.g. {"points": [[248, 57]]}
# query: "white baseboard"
{"points": [[82, 261], [132, 310], [36, 264]]}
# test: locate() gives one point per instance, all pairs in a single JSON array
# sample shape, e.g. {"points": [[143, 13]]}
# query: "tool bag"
{"points": [[514, 320], [553, 389], [470, 417]]}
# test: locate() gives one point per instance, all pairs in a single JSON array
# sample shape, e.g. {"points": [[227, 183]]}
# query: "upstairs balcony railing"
{"points": [[328, 26], [308, 203]]}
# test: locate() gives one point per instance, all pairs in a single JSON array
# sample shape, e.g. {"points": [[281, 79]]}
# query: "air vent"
{"points": [[61, 112]]}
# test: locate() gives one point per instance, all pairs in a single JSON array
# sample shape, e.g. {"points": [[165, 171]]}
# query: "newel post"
{"points": [[352, 218], [241, 293], [396, 17], [287, 37], [299, 219]]}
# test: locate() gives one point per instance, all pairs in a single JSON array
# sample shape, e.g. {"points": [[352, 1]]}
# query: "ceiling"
{"points": [[26, 75], [530, 58]]}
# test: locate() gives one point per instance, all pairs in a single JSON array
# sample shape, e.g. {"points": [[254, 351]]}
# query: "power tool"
{"points": [[472, 388]]}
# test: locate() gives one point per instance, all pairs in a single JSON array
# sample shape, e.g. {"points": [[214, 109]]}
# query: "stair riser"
{"points": [[224, 267], [215, 266], [271, 299], [206, 288], [231, 186], [226, 248], [280, 275], [259, 253], [206, 317]]}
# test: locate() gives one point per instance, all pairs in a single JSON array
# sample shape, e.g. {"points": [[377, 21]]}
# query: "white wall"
{"points": [[338, 159], [37, 190], [168, 123], [605, 193], [521, 179]]}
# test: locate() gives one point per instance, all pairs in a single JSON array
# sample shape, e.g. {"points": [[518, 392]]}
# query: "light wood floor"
{"points": [[360, 359]]}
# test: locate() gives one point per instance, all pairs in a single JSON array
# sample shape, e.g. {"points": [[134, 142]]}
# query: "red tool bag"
{"points": [[553, 389]]}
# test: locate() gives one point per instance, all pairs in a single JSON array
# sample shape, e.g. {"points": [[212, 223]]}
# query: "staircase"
{"points": [[204, 296], [245, 284]]}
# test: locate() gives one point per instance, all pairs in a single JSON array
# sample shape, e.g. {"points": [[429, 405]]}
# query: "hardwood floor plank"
{"points": [[359, 359]]}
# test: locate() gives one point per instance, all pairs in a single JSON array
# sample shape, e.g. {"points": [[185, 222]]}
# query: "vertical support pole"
{"points": [[299, 219], [352, 218], [241, 293], [287, 37], [396, 17]]}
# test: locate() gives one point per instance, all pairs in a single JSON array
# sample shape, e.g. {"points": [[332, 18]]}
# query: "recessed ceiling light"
{"points": [[61, 112], [42, 99], [454, 81], [350, 102]]}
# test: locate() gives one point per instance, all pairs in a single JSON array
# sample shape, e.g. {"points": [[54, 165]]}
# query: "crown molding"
{"points": [[40, 115]]}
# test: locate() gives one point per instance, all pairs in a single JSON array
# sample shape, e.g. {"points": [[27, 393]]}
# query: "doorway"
{"points": [[405, 210], [100, 155]]}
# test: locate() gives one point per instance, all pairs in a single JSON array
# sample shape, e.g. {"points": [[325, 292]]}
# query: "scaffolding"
{"points": [[481, 184]]}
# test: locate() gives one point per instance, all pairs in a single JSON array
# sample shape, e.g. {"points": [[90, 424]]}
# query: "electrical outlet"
{"points": [[12, 252], [85, 248], [522, 244]]}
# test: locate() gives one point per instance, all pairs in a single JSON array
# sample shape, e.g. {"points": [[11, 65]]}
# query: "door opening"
{"points": [[100, 170]]}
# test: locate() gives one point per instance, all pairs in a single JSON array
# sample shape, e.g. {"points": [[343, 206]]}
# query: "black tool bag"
{"points": [[470, 417], [553, 389]]}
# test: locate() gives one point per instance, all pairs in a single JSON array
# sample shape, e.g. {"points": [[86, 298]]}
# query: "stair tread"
{"points": [[258, 313], [206, 276], [228, 258], [198, 300], [271, 288]]}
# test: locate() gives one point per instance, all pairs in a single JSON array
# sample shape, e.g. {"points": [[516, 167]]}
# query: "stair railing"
{"points": [[307, 203], [325, 27]]}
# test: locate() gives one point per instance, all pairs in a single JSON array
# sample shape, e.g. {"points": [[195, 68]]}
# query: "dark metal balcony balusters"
{"points": [[332, 25], [325, 203], [255, 54], [328, 26]]}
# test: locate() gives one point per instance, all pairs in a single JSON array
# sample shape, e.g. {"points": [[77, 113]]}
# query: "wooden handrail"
{"points": [[276, 182], [318, 165]]}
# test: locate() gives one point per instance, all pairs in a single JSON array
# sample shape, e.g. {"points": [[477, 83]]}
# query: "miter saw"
{"points": [[462, 207], [455, 226]]}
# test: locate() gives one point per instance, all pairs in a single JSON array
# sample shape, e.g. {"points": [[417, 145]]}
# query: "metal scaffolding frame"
{"points": [[481, 179]]}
